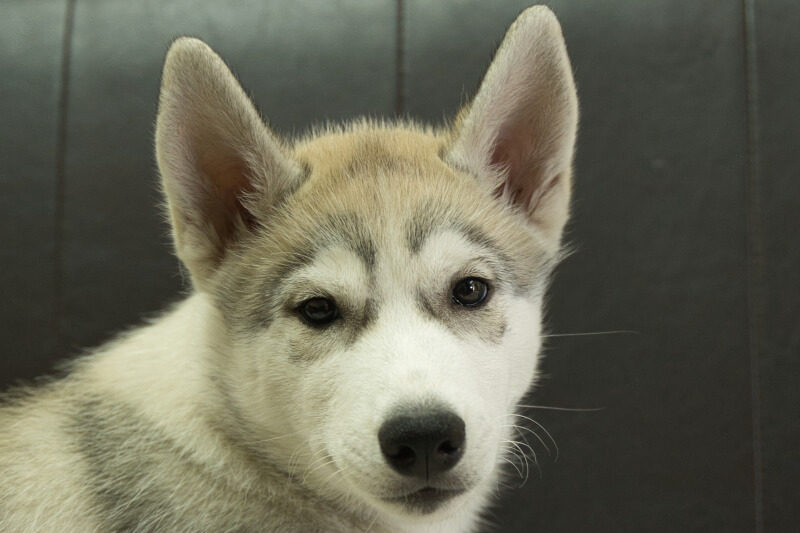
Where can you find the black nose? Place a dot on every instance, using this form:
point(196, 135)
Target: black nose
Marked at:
point(422, 443)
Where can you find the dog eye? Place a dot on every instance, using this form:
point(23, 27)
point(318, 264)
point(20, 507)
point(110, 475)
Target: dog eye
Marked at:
point(319, 312)
point(470, 292)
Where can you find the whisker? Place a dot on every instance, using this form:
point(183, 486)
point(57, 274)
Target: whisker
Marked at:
point(524, 456)
point(265, 440)
point(372, 523)
point(623, 331)
point(331, 476)
point(573, 409)
point(294, 460)
point(309, 472)
point(315, 458)
point(532, 432)
point(322, 457)
point(524, 459)
point(545, 430)
point(498, 485)
point(509, 461)
point(533, 452)
point(525, 441)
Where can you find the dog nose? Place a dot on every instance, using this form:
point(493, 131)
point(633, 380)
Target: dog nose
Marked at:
point(422, 444)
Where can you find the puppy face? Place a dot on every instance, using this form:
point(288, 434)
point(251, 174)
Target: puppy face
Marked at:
point(376, 294)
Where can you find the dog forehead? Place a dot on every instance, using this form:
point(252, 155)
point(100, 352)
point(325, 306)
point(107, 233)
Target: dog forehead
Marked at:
point(382, 192)
point(370, 148)
point(386, 176)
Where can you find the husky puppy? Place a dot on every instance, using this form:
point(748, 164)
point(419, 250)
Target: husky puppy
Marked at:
point(365, 318)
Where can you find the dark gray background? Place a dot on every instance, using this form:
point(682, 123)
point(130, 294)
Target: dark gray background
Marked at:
point(686, 217)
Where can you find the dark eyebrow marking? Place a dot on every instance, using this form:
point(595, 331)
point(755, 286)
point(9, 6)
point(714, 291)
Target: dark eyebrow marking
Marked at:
point(247, 310)
point(420, 226)
point(429, 218)
point(350, 231)
point(347, 230)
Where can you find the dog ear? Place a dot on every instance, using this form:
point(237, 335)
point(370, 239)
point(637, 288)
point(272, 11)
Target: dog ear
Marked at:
point(519, 132)
point(219, 163)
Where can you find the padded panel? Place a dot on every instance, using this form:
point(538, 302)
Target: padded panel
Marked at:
point(660, 239)
point(778, 69)
point(660, 220)
point(31, 34)
point(302, 61)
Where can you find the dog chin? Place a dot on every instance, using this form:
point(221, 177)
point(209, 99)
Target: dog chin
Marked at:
point(425, 501)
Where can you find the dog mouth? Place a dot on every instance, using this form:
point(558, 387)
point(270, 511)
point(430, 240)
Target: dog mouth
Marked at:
point(425, 500)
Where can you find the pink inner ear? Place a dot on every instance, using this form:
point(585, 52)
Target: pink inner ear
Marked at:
point(520, 181)
point(226, 210)
point(226, 173)
point(525, 182)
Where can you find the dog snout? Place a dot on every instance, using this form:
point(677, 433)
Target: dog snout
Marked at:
point(422, 444)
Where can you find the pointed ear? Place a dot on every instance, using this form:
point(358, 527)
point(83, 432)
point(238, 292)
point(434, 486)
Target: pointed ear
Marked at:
point(519, 132)
point(220, 165)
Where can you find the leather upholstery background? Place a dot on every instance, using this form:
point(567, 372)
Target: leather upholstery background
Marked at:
point(686, 217)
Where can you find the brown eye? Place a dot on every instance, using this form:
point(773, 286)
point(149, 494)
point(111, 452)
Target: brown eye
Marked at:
point(319, 312)
point(470, 292)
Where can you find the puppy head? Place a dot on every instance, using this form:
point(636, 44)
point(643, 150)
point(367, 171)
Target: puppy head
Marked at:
point(381, 285)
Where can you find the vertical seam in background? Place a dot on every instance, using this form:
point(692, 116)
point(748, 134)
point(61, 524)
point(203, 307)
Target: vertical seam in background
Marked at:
point(754, 253)
point(400, 53)
point(60, 177)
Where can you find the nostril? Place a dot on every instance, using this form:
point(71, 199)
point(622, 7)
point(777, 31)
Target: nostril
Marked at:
point(404, 457)
point(447, 448)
